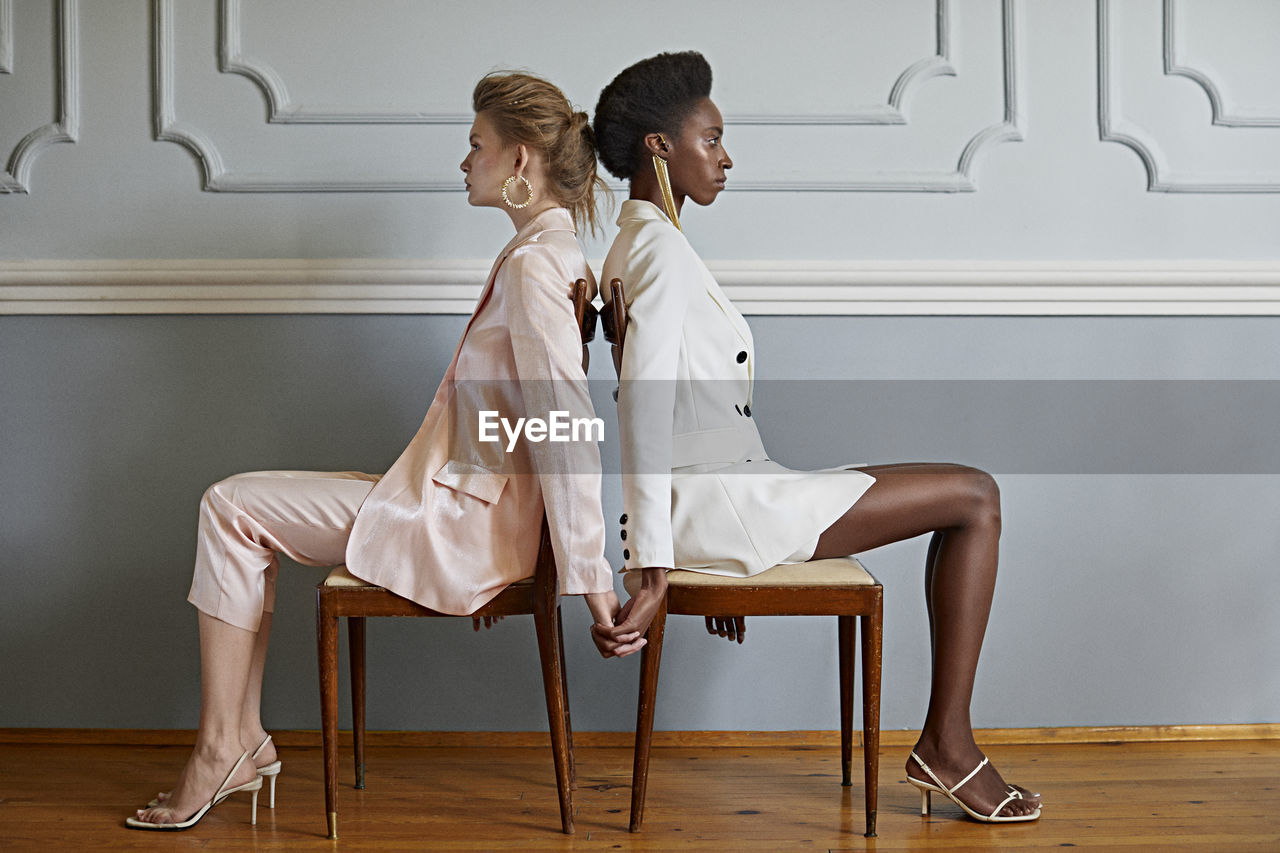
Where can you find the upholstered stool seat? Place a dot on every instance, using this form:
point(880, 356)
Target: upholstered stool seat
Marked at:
point(341, 577)
point(837, 571)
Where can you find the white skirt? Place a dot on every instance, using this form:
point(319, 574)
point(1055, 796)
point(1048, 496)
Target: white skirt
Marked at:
point(745, 517)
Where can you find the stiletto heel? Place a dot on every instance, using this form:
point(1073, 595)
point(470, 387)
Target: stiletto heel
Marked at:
point(221, 794)
point(926, 790)
point(271, 789)
point(269, 772)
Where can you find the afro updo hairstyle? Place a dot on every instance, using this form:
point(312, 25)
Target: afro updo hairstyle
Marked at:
point(654, 95)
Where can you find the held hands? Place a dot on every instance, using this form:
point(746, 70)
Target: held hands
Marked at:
point(604, 612)
point(625, 635)
point(604, 609)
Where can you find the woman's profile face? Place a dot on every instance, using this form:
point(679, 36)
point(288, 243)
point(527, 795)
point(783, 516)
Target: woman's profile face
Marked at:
point(489, 163)
point(698, 161)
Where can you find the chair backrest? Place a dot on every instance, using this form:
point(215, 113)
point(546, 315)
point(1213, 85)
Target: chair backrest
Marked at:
point(614, 319)
point(585, 313)
point(544, 573)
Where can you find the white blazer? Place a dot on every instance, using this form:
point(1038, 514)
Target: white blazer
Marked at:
point(699, 491)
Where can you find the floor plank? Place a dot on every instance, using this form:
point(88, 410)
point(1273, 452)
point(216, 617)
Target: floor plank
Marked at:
point(1207, 796)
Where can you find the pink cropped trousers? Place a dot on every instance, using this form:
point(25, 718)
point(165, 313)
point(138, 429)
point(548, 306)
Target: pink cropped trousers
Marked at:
point(247, 520)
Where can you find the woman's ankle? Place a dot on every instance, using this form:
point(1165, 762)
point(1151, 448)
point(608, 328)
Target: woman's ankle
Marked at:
point(954, 750)
point(216, 749)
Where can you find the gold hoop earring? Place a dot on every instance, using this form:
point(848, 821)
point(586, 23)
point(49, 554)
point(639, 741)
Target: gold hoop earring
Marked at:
point(664, 184)
point(506, 185)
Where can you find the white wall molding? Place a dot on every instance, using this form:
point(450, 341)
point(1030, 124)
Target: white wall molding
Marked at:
point(848, 288)
point(1225, 111)
point(216, 176)
point(938, 65)
point(281, 108)
point(961, 179)
point(6, 36)
point(893, 111)
point(66, 125)
point(1113, 127)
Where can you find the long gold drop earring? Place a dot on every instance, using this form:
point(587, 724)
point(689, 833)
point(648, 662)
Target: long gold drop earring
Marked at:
point(664, 184)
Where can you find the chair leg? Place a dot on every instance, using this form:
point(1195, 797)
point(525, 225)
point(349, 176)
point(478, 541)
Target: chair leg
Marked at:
point(355, 640)
point(546, 624)
point(327, 641)
point(872, 642)
point(568, 720)
point(650, 661)
point(847, 638)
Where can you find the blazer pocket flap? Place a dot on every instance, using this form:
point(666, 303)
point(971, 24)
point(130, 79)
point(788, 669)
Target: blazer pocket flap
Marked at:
point(708, 445)
point(471, 479)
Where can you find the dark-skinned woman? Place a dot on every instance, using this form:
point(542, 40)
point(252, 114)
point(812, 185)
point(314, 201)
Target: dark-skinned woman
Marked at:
point(699, 490)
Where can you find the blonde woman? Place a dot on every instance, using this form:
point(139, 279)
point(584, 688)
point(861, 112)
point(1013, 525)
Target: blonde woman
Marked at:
point(454, 521)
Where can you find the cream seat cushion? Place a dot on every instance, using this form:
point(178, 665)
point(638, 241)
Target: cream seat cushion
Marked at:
point(837, 571)
point(341, 577)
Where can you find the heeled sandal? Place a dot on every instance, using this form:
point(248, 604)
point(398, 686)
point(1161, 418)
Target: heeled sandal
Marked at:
point(268, 771)
point(221, 794)
point(926, 791)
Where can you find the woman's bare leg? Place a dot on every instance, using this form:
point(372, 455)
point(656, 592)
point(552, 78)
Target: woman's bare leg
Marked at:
point(226, 657)
point(252, 734)
point(961, 507)
point(244, 521)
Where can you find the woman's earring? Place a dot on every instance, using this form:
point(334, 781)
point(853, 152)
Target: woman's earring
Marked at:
point(506, 185)
point(664, 184)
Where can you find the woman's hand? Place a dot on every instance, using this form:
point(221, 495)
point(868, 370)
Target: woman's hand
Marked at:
point(730, 627)
point(604, 609)
point(632, 621)
point(625, 645)
point(489, 621)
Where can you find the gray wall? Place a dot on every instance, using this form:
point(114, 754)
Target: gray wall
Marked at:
point(139, 361)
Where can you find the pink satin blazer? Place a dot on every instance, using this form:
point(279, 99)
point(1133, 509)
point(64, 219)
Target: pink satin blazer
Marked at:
point(456, 520)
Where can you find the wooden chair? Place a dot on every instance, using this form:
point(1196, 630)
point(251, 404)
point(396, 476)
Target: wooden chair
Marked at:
point(342, 595)
point(837, 587)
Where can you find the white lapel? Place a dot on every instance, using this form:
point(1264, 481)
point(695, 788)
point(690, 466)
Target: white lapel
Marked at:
point(722, 302)
point(641, 209)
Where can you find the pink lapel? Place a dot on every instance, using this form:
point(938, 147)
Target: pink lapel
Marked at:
point(555, 219)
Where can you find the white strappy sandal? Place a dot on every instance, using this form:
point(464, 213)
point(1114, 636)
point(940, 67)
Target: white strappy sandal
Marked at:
point(269, 771)
point(926, 790)
point(221, 794)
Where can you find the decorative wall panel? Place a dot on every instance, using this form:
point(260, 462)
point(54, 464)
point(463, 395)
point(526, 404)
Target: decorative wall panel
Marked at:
point(387, 87)
point(65, 126)
point(1144, 103)
point(6, 36)
point(859, 129)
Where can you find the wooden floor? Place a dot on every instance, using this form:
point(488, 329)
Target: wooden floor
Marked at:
point(1211, 796)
